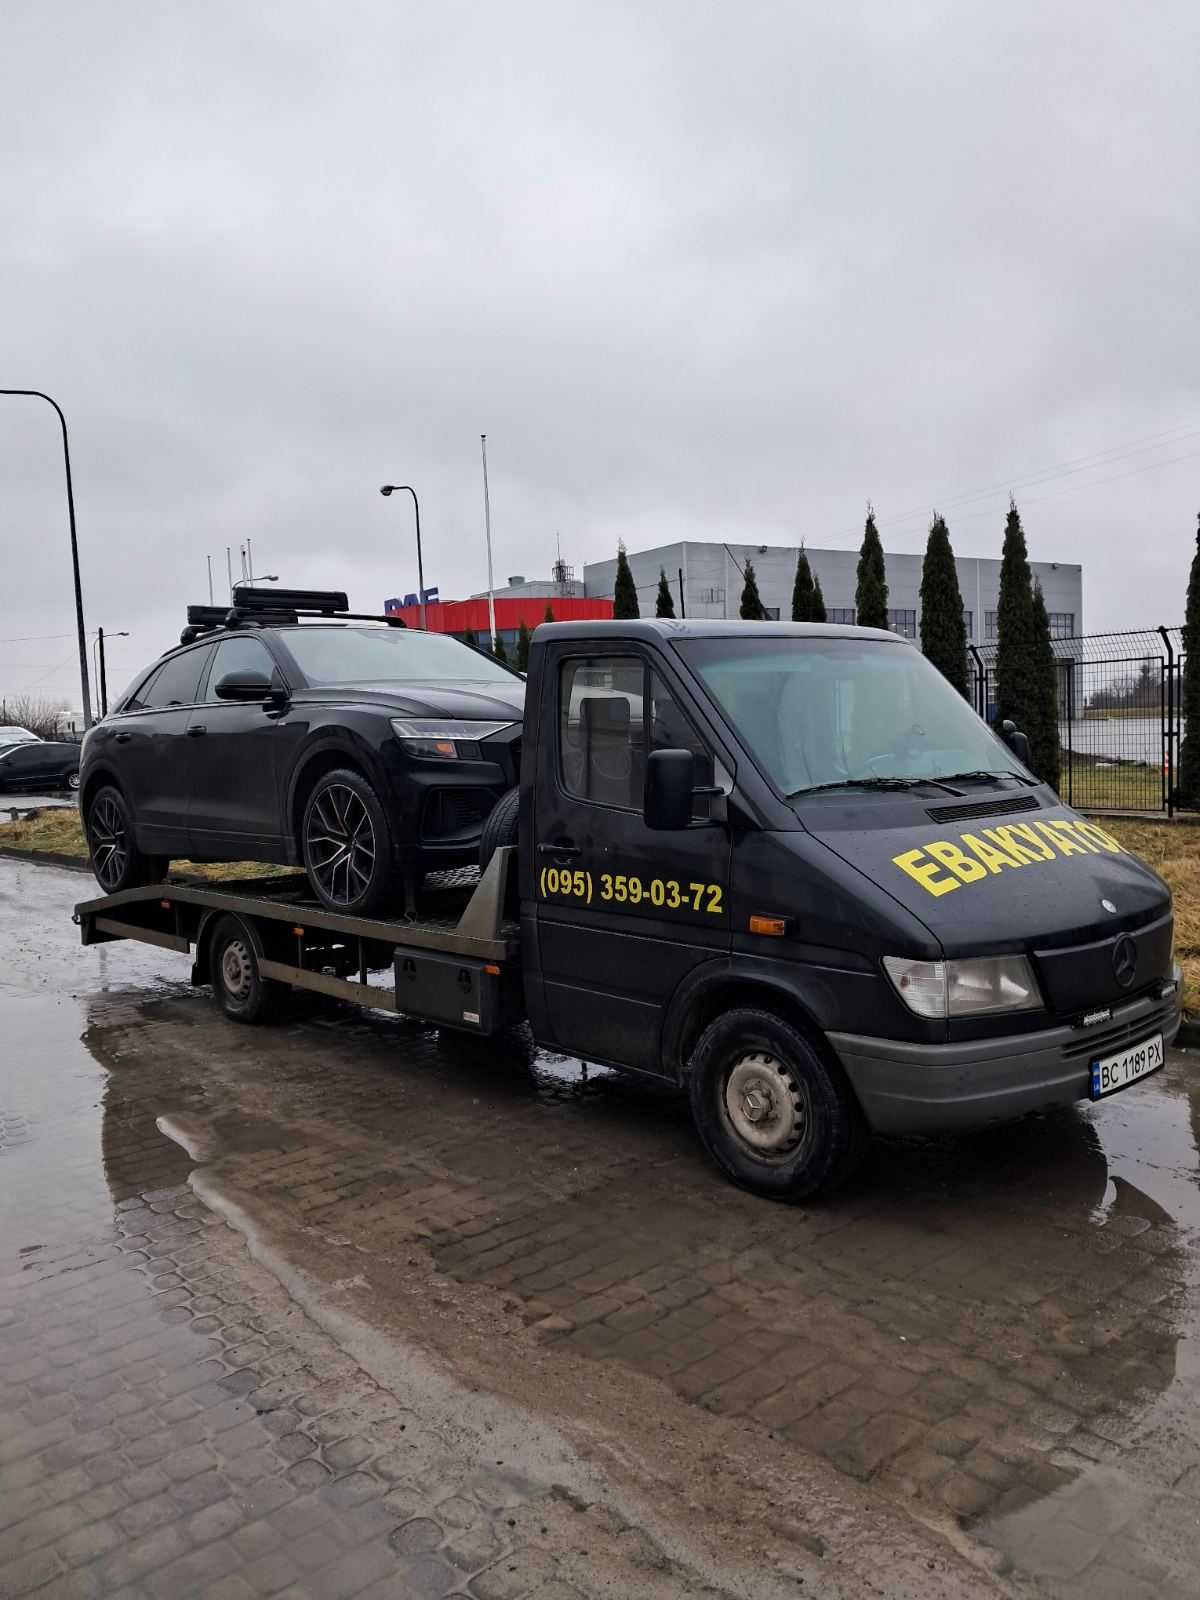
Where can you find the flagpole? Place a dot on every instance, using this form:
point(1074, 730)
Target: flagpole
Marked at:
point(487, 524)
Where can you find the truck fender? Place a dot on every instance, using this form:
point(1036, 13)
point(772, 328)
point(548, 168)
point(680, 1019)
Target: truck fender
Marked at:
point(201, 968)
point(797, 992)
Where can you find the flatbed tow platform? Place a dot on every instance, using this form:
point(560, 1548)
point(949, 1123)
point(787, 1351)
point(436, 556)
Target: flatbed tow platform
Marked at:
point(453, 959)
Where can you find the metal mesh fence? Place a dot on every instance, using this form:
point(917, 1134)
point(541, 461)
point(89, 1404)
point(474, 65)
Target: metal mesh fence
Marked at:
point(1119, 719)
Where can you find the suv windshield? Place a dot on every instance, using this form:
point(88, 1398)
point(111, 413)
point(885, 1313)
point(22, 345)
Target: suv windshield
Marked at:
point(817, 712)
point(388, 655)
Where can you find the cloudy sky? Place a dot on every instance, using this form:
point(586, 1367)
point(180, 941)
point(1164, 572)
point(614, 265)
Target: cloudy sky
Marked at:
point(714, 270)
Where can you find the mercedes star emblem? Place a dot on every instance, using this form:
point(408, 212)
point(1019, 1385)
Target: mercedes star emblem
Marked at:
point(1124, 960)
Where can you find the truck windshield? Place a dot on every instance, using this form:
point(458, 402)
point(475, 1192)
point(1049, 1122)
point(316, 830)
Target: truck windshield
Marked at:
point(821, 712)
point(388, 655)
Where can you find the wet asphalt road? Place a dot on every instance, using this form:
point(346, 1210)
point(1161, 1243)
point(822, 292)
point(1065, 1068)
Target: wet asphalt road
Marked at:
point(993, 1334)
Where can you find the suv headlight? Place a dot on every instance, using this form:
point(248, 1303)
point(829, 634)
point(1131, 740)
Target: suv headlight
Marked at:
point(442, 739)
point(964, 988)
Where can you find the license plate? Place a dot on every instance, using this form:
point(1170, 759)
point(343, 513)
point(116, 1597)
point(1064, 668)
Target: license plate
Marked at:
point(1111, 1073)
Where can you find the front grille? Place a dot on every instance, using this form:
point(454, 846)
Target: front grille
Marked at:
point(984, 808)
point(1094, 1042)
point(449, 812)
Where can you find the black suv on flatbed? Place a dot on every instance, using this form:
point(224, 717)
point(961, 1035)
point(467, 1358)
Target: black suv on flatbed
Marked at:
point(367, 752)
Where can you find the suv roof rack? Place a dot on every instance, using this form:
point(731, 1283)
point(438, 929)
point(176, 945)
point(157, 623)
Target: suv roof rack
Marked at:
point(257, 608)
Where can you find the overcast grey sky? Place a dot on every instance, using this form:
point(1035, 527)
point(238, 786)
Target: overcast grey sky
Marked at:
point(722, 271)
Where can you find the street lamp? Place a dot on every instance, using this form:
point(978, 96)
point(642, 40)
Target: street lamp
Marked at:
point(401, 488)
point(101, 670)
point(36, 394)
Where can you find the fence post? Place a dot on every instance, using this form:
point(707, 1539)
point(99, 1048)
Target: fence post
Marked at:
point(1169, 739)
point(980, 683)
point(1070, 682)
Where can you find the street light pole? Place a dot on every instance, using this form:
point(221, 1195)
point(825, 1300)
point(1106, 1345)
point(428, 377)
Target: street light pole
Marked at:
point(487, 528)
point(37, 394)
point(401, 488)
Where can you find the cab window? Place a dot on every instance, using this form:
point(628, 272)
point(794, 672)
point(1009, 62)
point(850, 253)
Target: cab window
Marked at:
point(239, 655)
point(613, 710)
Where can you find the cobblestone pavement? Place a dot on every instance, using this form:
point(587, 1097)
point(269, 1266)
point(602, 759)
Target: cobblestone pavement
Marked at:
point(992, 1333)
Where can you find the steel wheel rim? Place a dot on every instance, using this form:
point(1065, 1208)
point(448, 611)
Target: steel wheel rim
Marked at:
point(109, 838)
point(237, 970)
point(339, 844)
point(73, 780)
point(768, 1107)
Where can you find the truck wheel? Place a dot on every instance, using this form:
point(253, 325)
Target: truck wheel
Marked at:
point(500, 827)
point(768, 1109)
point(242, 993)
point(346, 844)
point(116, 860)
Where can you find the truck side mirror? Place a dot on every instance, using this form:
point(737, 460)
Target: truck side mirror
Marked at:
point(1016, 741)
point(670, 779)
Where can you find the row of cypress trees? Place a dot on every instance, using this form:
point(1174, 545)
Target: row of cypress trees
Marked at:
point(1025, 668)
point(524, 635)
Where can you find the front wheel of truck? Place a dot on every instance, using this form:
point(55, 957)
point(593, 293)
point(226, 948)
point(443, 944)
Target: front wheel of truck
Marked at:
point(774, 1115)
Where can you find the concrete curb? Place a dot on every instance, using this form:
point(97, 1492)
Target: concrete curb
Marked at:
point(56, 858)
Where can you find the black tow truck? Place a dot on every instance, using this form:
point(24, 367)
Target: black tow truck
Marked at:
point(784, 866)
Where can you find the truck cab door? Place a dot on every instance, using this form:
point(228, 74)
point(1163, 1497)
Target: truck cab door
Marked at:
point(622, 913)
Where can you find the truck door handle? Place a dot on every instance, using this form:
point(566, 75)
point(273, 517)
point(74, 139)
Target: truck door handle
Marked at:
point(562, 848)
point(124, 738)
point(196, 730)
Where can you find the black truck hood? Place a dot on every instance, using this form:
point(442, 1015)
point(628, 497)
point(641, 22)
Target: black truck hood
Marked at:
point(1046, 881)
point(491, 702)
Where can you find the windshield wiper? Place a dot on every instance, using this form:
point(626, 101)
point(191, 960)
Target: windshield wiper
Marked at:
point(980, 776)
point(871, 783)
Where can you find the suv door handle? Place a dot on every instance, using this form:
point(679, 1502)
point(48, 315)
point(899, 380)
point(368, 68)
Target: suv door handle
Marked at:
point(563, 848)
point(196, 730)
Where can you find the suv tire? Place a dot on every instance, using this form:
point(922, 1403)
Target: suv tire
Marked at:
point(346, 845)
point(500, 827)
point(774, 1115)
point(116, 861)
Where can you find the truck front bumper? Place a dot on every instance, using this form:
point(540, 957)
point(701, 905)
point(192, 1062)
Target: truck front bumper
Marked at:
point(922, 1088)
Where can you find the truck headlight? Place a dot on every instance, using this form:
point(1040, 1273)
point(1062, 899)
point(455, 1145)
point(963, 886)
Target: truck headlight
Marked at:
point(969, 988)
point(444, 739)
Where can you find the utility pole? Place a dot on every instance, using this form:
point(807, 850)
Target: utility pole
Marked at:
point(487, 524)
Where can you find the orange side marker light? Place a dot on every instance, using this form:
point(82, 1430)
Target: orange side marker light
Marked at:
point(772, 927)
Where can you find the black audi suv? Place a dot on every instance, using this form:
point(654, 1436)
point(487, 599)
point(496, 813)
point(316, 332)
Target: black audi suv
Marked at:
point(289, 730)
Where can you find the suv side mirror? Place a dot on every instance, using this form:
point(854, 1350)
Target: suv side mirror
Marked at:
point(245, 684)
point(670, 780)
point(1016, 741)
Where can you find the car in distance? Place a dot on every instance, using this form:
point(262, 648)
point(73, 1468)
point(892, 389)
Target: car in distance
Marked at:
point(10, 733)
point(367, 752)
point(34, 766)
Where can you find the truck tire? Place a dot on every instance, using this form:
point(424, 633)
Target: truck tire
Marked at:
point(500, 827)
point(346, 845)
point(116, 861)
point(775, 1117)
point(241, 991)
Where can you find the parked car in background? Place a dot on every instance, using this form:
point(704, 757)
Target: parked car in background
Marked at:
point(38, 766)
point(369, 753)
point(11, 734)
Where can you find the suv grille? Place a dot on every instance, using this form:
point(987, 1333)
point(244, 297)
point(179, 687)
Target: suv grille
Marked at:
point(984, 808)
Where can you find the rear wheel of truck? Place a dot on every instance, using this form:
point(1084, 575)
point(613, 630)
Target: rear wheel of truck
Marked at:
point(775, 1116)
point(242, 992)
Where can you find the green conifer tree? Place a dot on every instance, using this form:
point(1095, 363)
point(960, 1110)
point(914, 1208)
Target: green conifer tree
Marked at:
point(625, 600)
point(1043, 734)
point(470, 638)
point(943, 627)
point(523, 646)
point(1187, 779)
point(1016, 651)
point(664, 602)
point(871, 592)
point(549, 617)
point(818, 602)
point(751, 608)
point(498, 650)
point(803, 590)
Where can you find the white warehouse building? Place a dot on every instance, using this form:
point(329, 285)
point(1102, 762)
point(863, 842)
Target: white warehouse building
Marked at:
point(711, 578)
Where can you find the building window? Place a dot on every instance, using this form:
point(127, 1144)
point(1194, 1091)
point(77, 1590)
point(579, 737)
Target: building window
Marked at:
point(904, 622)
point(712, 597)
point(841, 614)
point(989, 623)
point(969, 620)
point(770, 613)
point(1062, 624)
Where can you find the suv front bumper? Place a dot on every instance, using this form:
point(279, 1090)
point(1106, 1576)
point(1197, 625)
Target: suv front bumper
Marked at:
point(923, 1088)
